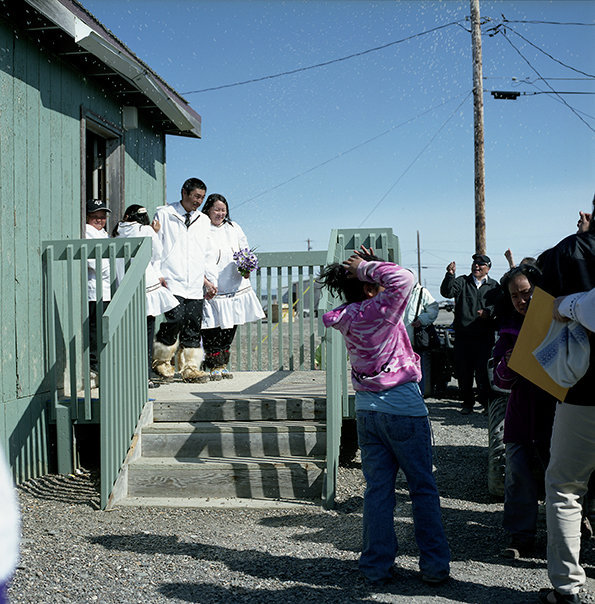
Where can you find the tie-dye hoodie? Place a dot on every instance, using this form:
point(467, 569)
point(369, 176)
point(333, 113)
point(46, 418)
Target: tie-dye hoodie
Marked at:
point(375, 336)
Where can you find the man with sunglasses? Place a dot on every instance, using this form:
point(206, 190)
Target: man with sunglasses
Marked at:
point(476, 298)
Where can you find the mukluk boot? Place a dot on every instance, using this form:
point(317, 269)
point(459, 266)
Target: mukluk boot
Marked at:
point(189, 361)
point(221, 367)
point(223, 372)
point(162, 357)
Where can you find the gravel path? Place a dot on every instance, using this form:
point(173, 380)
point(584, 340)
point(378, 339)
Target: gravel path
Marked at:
point(73, 552)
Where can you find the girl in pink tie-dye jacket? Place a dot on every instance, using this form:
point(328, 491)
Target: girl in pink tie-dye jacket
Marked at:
point(372, 324)
point(392, 425)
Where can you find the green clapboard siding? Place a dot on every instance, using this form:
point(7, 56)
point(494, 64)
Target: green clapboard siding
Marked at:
point(41, 98)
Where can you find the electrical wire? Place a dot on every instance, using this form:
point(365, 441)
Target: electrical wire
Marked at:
point(523, 93)
point(415, 159)
point(505, 20)
point(325, 63)
point(547, 84)
point(528, 81)
point(547, 54)
point(559, 101)
point(342, 153)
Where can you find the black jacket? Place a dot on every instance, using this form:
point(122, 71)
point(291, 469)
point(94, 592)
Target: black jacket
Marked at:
point(468, 300)
point(569, 267)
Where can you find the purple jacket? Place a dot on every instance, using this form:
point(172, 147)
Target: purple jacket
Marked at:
point(376, 339)
point(530, 410)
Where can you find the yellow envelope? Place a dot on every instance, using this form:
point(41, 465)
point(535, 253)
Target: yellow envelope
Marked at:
point(535, 327)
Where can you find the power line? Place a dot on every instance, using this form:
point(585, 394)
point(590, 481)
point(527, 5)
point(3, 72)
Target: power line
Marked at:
point(545, 92)
point(559, 101)
point(415, 159)
point(528, 81)
point(342, 153)
point(325, 63)
point(546, 83)
point(505, 20)
point(547, 54)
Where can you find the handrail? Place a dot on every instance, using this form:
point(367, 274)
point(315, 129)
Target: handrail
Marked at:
point(283, 340)
point(122, 344)
point(342, 242)
point(123, 363)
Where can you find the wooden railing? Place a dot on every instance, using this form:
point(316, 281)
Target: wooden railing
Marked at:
point(290, 334)
point(288, 338)
point(339, 404)
point(122, 346)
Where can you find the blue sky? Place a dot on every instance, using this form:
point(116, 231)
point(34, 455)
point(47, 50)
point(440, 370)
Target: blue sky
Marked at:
point(313, 128)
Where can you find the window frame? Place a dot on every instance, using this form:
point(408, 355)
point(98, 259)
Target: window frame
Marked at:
point(114, 164)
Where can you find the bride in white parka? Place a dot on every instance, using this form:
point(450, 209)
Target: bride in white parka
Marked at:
point(230, 300)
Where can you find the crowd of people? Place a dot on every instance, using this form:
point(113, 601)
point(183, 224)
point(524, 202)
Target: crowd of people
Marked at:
point(550, 445)
point(192, 280)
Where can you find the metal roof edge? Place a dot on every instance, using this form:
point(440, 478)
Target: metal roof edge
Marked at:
point(108, 49)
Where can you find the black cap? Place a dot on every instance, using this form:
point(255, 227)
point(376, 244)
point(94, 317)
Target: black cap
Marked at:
point(482, 259)
point(94, 205)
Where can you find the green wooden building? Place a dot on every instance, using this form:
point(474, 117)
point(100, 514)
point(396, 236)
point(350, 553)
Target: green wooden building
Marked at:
point(80, 116)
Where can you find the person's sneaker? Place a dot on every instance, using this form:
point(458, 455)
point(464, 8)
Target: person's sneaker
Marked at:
point(435, 579)
point(93, 379)
point(518, 549)
point(215, 375)
point(380, 581)
point(225, 374)
point(586, 529)
point(551, 596)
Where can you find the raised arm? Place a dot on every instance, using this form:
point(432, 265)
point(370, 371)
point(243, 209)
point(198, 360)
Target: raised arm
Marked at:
point(449, 287)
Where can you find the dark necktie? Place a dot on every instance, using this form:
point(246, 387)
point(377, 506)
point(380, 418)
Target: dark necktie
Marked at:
point(187, 221)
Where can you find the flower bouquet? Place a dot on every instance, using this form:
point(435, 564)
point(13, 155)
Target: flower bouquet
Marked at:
point(246, 261)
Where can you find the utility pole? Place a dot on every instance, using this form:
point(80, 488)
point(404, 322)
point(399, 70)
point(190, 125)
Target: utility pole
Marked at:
point(480, 220)
point(418, 260)
point(309, 241)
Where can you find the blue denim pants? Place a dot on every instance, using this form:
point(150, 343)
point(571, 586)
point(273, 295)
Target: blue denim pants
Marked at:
point(389, 442)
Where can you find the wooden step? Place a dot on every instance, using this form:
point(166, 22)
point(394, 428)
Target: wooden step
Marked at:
point(238, 408)
point(228, 439)
point(246, 477)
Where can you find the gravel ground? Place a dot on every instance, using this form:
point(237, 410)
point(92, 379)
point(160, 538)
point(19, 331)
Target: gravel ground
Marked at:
point(73, 552)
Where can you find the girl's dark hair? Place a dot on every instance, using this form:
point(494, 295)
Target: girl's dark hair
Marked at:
point(505, 308)
point(530, 271)
point(211, 199)
point(134, 213)
point(341, 283)
point(335, 278)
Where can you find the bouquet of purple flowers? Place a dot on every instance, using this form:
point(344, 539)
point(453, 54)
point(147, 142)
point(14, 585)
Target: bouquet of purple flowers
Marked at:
point(246, 261)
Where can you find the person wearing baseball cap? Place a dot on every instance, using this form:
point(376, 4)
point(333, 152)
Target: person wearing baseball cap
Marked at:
point(476, 298)
point(97, 212)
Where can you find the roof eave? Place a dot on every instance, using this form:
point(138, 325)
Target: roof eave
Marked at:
point(185, 119)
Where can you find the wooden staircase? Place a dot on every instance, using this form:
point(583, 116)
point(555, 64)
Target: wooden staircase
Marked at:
point(223, 445)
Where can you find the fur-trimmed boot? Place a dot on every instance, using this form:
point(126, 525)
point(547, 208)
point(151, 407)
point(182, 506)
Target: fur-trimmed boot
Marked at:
point(189, 361)
point(162, 356)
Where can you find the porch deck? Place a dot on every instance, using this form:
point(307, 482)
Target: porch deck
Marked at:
point(264, 383)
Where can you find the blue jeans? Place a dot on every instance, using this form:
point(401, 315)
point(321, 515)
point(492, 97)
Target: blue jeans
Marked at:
point(389, 442)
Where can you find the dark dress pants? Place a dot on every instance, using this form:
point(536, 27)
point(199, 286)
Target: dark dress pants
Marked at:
point(93, 352)
point(472, 353)
point(184, 321)
point(217, 342)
